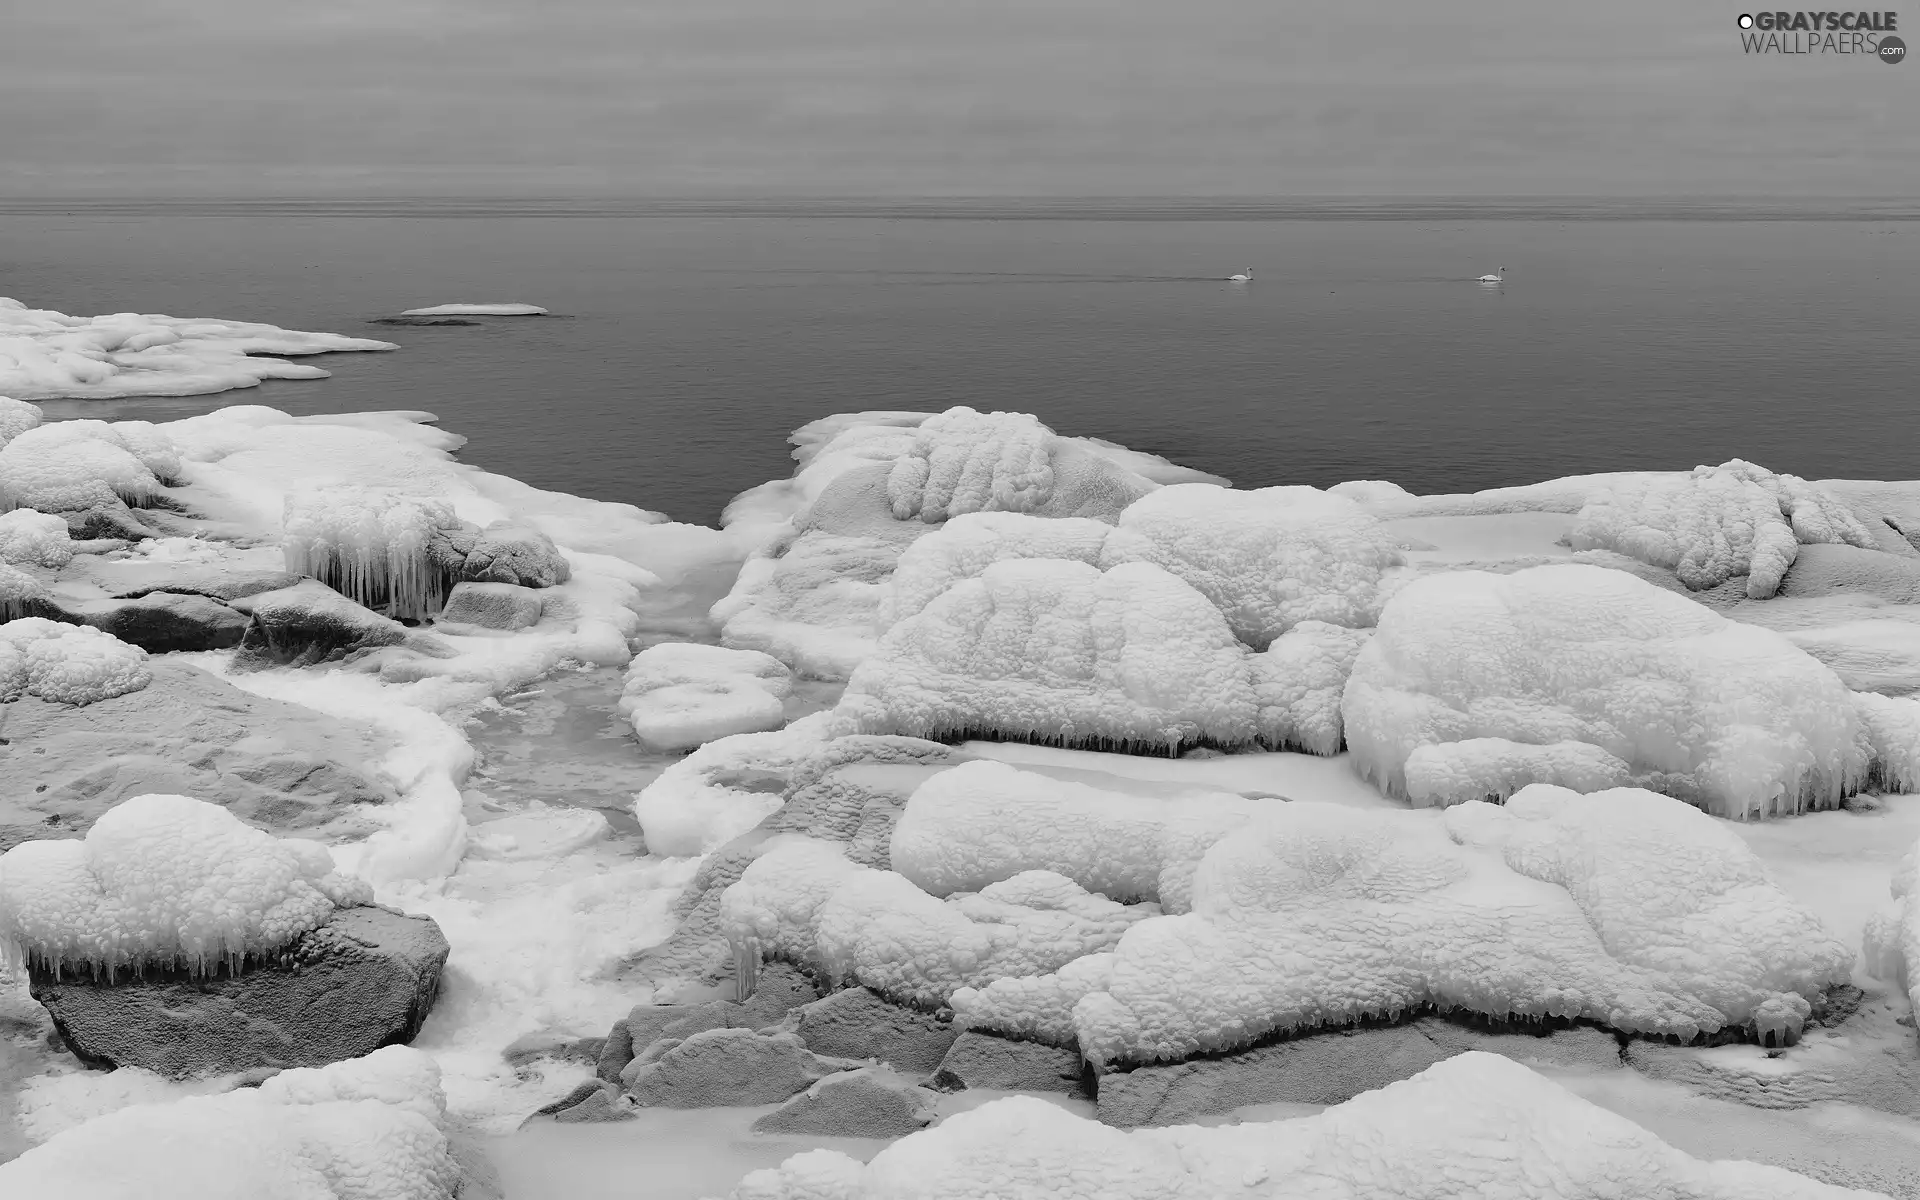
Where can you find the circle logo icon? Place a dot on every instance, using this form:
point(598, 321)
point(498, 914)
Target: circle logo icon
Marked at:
point(1746, 20)
point(1892, 50)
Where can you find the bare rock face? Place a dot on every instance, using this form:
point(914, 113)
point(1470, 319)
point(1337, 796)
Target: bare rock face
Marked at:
point(1327, 1068)
point(983, 1060)
point(277, 765)
point(856, 1023)
point(782, 989)
point(310, 623)
point(868, 1103)
point(365, 979)
point(728, 1068)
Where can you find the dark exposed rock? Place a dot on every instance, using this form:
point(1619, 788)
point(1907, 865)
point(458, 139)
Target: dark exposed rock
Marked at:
point(311, 623)
point(856, 1023)
point(593, 1102)
point(421, 321)
point(650, 1029)
point(163, 622)
point(505, 606)
point(982, 1060)
point(366, 978)
point(728, 1068)
point(1330, 1067)
point(868, 1103)
point(503, 552)
point(555, 1046)
point(270, 763)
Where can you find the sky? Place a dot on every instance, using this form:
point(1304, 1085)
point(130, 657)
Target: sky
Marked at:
point(917, 97)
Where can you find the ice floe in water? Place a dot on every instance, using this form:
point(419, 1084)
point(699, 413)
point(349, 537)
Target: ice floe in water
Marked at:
point(47, 355)
point(477, 310)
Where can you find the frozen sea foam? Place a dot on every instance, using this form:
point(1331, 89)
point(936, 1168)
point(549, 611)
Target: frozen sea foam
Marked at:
point(47, 355)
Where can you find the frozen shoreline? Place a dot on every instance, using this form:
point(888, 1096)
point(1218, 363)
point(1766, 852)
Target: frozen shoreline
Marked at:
point(814, 558)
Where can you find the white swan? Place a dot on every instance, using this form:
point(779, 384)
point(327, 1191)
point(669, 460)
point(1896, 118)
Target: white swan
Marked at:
point(1493, 278)
point(1246, 278)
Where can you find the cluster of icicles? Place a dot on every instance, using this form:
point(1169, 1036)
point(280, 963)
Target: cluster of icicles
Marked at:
point(371, 545)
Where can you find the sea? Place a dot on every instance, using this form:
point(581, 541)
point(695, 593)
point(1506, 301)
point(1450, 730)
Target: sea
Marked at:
point(688, 337)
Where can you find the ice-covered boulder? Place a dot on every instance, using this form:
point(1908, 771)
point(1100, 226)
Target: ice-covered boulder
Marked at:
point(311, 623)
point(497, 607)
point(147, 442)
point(369, 1129)
point(724, 788)
point(16, 417)
point(983, 822)
point(1717, 523)
point(166, 883)
point(21, 595)
point(1474, 1125)
point(1298, 682)
point(372, 545)
point(46, 355)
point(72, 475)
point(805, 902)
point(965, 461)
point(1269, 559)
point(1623, 907)
point(67, 664)
point(502, 552)
point(36, 539)
point(680, 695)
point(1058, 651)
point(1475, 684)
point(810, 602)
point(969, 544)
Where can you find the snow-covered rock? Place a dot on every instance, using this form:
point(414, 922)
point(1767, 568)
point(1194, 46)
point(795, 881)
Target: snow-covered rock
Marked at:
point(967, 545)
point(1054, 650)
point(680, 694)
point(16, 417)
point(36, 539)
point(724, 788)
point(67, 664)
point(1474, 1125)
point(46, 355)
point(368, 1129)
point(1717, 523)
point(1475, 684)
point(1624, 907)
point(1269, 559)
point(169, 882)
point(1299, 681)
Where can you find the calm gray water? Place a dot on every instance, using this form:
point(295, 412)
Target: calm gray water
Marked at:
point(695, 337)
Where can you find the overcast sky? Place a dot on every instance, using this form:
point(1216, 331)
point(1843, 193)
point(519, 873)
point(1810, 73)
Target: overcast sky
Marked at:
point(961, 97)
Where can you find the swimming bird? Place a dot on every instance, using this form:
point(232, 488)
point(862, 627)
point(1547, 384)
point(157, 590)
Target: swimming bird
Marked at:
point(1493, 278)
point(1246, 278)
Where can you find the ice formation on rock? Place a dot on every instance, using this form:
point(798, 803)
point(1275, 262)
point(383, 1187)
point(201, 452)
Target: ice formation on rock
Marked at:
point(964, 461)
point(983, 822)
point(59, 663)
point(803, 901)
point(477, 310)
point(370, 544)
point(969, 544)
point(1717, 523)
point(1477, 683)
point(1054, 650)
point(680, 695)
point(1268, 559)
point(35, 539)
point(1474, 1125)
point(144, 440)
point(166, 882)
point(21, 595)
point(369, 1128)
point(69, 474)
point(1298, 682)
point(812, 604)
point(16, 417)
point(1624, 907)
point(46, 355)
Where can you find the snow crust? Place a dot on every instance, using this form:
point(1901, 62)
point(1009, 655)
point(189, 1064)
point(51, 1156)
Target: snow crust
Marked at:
point(1475, 683)
point(1268, 558)
point(370, 544)
point(1717, 523)
point(680, 695)
point(166, 882)
point(34, 539)
point(72, 473)
point(65, 664)
point(477, 310)
point(16, 417)
point(1624, 907)
point(369, 1128)
point(1474, 1125)
point(46, 355)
